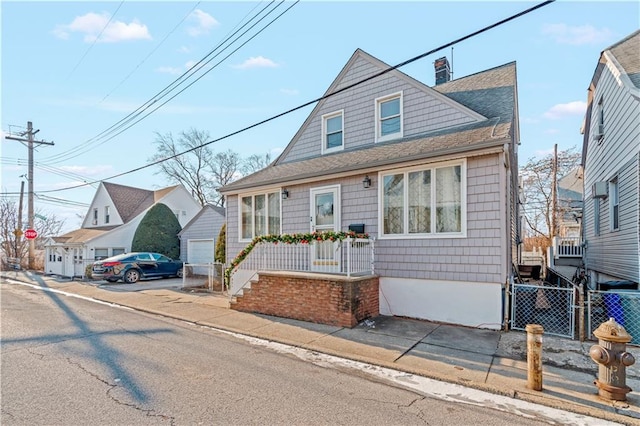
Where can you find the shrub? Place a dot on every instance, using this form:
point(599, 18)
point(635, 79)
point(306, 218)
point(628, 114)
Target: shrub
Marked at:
point(221, 245)
point(158, 232)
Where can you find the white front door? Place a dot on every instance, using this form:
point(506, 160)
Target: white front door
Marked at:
point(325, 216)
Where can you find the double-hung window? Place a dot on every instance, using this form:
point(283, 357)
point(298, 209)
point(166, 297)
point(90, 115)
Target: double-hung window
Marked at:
point(106, 214)
point(424, 201)
point(259, 215)
point(95, 217)
point(614, 210)
point(332, 132)
point(596, 216)
point(600, 122)
point(389, 117)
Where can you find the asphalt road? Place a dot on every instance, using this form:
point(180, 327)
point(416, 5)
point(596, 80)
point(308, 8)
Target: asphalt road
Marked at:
point(67, 361)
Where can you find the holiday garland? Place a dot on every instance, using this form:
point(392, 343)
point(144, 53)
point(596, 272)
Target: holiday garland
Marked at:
point(289, 239)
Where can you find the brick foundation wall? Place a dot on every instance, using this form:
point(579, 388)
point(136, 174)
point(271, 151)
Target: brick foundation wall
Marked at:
point(324, 299)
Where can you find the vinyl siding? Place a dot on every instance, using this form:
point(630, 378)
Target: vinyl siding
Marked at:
point(423, 111)
point(206, 226)
point(477, 258)
point(614, 252)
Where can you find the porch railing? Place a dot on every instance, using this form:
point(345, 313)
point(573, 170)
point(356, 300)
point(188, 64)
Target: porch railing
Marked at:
point(351, 256)
point(567, 247)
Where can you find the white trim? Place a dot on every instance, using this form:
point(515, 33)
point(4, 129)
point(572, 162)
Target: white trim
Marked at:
point(331, 264)
point(425, 166)
point(252, 194)
point(326, 117)
point(398, 95)
point(614, 200)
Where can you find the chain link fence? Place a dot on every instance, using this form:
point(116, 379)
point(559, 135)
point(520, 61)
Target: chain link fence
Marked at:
point(551, 303)
point(208, 277)
point(621, 305)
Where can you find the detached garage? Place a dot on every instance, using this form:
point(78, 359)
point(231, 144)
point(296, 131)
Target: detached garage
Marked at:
point(197, 238)
point(201, 251)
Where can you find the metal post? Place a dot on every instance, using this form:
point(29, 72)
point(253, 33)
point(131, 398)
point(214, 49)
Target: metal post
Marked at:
point(534, 356)
point(348, 256)
point(32, 243)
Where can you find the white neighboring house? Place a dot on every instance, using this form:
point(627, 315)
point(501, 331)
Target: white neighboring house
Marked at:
point(611, 162)
point(110, 224)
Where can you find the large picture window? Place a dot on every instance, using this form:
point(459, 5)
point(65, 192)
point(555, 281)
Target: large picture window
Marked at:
point(424, 201)
point(259, 215)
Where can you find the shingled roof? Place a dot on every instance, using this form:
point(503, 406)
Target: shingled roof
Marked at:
point(491, 93)
point(79, 236)
point(627, 53)
point(130, 201)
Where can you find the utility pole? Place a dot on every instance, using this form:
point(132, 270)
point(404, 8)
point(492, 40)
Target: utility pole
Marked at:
point(30, 141)
point(554, 194)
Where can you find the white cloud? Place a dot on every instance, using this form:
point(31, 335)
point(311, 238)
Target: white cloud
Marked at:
point(559, 111)
point(577, 35)
point(203, 22)
point(290, 92)
point(92, 24)
point(169, 70)
point(256, 62)
point(184, 49)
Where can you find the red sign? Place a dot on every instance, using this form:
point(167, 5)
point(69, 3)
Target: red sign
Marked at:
point(30, 234)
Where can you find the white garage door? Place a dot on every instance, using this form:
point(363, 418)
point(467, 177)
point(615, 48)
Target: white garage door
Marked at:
point(200, 251)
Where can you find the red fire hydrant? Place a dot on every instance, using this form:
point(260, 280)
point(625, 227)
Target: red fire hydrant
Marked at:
point(612, 359)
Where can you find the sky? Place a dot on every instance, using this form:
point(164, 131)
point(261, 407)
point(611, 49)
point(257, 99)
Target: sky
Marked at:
point(78, 70)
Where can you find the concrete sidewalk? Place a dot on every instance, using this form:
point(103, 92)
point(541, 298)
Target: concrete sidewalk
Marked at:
point(483, 359)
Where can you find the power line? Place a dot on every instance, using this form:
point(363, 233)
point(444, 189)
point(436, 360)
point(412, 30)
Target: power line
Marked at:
point(95, 40)
point(96, 140)
point(150, 53)
point(348, 87)
point(197, 79)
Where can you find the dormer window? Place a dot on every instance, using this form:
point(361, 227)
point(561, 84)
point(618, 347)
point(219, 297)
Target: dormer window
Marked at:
point(332, 132)
point(389, 117)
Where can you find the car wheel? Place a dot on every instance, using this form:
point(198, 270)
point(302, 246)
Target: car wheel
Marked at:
point(179, 273)
point(131, 276)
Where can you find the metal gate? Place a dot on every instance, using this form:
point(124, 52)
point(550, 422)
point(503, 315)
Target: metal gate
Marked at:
point(554, 308)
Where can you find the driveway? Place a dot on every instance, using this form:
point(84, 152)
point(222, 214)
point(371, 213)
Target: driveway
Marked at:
point(147, 284)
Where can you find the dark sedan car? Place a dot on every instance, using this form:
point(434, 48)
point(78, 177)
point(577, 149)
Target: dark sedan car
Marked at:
point(130, 267)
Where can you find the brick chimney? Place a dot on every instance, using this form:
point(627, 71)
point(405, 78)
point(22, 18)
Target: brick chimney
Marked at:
point(443, 74)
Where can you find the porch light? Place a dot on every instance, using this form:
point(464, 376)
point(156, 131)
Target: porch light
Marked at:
point(366, 183)
point(285, 194)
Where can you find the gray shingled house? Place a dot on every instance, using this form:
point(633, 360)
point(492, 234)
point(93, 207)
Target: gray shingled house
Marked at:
point(429, 173)
point(198, 237)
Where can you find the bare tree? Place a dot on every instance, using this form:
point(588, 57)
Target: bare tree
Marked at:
point(14, 246)
point(255, 162)
point(193, 169)
point(537, 180)
point(225, 169)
